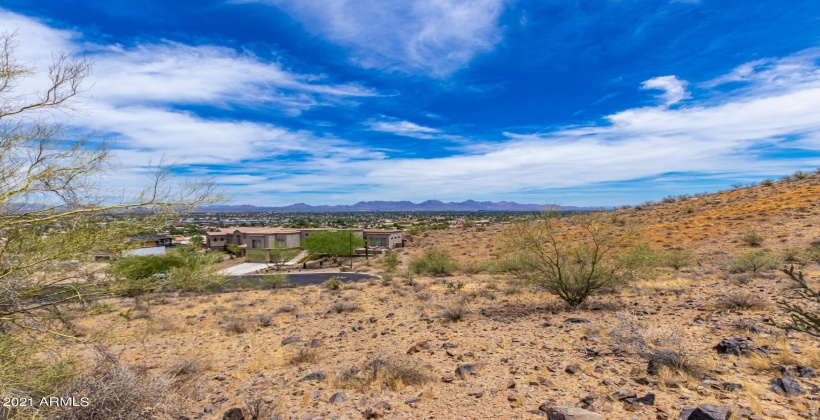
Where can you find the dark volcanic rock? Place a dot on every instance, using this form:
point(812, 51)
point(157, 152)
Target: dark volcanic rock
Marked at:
point(464, 370)
point(706, 412)
point(787, 386)
point(315, 376)
point(738, 346)
point(566, 413)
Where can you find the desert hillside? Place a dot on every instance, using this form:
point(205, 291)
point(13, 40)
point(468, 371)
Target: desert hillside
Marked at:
point(480, 344)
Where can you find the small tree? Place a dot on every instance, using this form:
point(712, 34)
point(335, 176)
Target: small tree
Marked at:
point(803, 306)
point(197, 241)
point(437, 262)
point(753, 261)
point(334, 244)
point(570, 262)
point(279, 255)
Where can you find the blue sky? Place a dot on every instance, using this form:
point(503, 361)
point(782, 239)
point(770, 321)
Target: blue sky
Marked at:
point(335, 101)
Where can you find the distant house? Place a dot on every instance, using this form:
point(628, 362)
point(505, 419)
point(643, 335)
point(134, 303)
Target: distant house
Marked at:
point(388, 239)
point(267, 238)
point(151, 241)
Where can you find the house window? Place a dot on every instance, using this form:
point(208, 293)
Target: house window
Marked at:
point(256, 243)
point(280, 243)
point(378, 241)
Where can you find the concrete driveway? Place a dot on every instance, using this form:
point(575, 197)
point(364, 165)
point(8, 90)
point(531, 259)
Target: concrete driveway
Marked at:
point(243, 268)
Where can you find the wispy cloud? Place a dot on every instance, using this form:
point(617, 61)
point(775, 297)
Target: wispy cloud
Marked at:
point(674, 89)
point(434, 37)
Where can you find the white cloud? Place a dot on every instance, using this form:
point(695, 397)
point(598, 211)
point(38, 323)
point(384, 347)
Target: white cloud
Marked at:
point(435, 37)
point(405, 128)
point(674, 88)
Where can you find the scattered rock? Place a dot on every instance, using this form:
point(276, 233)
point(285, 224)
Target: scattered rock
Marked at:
point(572, 369)
point(290, 340)
point(569, 413)
point(786, 386)
point(706, 412)
point(477, 394)
point(315, 376)
point(220, 378)
point(738, 346)
point(377, 410)
point(511, 384)
point(412, 401)
point(464, 370)
point(648, 399)
point(447, 379)
point(576, 321)
point(338, 398)
point(315, 343)
point(806, 372)
point(419, 346)
point(235, 413)
point(623, 393)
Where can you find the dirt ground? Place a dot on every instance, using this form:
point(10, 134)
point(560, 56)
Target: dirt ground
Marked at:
point(526, 348)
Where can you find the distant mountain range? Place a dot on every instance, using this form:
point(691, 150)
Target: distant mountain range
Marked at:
point(429, 205)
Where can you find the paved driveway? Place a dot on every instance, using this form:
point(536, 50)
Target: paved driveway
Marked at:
point(243, 268)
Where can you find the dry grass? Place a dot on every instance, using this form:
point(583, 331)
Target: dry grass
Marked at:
point(739, 300)
point(120, 392)
point(304, 355)
point(393, 373)
point(236, 326)
point(454, 312)
point(343, 307)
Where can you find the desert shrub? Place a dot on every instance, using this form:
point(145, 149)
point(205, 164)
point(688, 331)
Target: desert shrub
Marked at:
point(455, 286)
point(677, 259)
point(343, 307)
point(739, 300)
point(119, 392)
point(286, 309)
point(390, 261)
point(640, 260)
point(752, 238)
point(753, 261)
point(768, 182)
point(423, 296)
point(477, 267)
point(801, 175)
point(265, 320)
point(304, 355)
point(571, 265)
point(256, 255)
point(435, 262)
point(394, 373)
point(334, 283)
point(272, 281)
point(454, 312)
point(185, 369)
point(387, 277)
point(632, 334)
point(482, 293)
point(236, 326)
point(673, 361)
point(802, 304)
point(407, 276)
point(796, 255)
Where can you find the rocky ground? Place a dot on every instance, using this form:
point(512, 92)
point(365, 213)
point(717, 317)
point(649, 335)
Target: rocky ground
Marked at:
point(494, 348)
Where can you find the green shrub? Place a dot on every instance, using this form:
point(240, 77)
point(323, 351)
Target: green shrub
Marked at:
point(390, 261)
point(678, 258)
point(768, 182)
point(640, 260)
point(753, 261)
point(436, 262)
point(752, 238)
point(334, 283)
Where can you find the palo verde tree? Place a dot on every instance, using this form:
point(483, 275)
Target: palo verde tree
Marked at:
point(54, 210)
point(334, 244)
point(570, 257)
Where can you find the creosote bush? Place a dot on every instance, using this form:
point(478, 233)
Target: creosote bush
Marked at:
point(334, 283)
point(752, 238)
point(753, 261)
point(390, 261)
point(436, 262)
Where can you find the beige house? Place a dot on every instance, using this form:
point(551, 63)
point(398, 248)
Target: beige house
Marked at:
point(267, 238)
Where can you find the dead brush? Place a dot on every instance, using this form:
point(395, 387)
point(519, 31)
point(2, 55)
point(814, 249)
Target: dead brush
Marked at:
point(393, 373)
point(186, 369)
point(738, 301)
point(236, 326)
point(343, 307)
point(304, 355)
point(454, 312)
point(632, 335)
point(674, 362)
point(120, 392)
